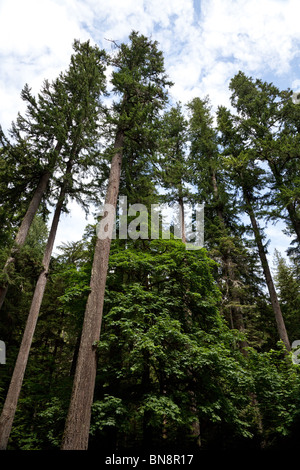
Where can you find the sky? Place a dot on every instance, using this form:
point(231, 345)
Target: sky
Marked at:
point(204, 42)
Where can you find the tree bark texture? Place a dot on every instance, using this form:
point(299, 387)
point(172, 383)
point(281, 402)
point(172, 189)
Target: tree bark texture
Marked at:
point(77, 427)
point(25, 226)
point(268, 277)
point(10, 405)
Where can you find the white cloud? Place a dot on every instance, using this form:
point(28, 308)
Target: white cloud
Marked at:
point(296, 85)
point(203, 49)
point(202, 52)
point(36, 39)
point(72, 225)
point(255, 33)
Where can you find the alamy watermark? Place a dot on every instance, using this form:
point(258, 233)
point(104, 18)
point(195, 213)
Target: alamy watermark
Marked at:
point(296, 354)
point(136, 221)
point(2, 352)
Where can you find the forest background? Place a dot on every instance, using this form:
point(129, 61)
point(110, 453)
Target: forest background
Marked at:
point(195, 347)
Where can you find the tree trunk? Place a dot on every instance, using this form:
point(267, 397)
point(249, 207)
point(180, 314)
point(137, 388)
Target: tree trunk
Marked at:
point(236, 312)
point(28, 218)
point(216, 197)
point(25, 226)
point(77, 427)
point(294, 219)
point(195, 426)
point(182, 219)
point(10, 405)
point(268, 277)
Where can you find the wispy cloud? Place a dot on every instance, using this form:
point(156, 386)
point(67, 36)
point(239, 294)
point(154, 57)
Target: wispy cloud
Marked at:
point(204, 45)
point(204, 42)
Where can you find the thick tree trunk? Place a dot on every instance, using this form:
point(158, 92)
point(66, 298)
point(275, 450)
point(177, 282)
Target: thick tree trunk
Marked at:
point(10, 405)
point(268, 277)
point(77, 427)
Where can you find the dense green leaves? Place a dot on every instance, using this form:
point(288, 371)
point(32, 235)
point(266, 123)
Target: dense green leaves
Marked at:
point(188, 342)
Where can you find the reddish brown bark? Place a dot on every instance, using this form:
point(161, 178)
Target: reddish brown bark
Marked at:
point(25, 226)
point(10, 405)
point(77, 427)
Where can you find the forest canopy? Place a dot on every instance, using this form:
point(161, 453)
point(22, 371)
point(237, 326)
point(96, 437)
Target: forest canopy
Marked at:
point(137, 342)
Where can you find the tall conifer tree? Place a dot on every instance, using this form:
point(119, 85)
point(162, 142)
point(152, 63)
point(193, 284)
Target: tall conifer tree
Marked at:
point(139, 77)
point(45, 135)
point(223, 231)
point(269, 122)
point(250, 178)
point(85, 79)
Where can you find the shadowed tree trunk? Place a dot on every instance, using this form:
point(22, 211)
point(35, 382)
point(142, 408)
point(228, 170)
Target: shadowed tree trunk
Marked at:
point(235, 309)
point(10, 405)
point(140, 80)
point(77, 427)
point(267, 273)
point(25, 226)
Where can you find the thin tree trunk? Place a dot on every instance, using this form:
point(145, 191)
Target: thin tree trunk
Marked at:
point(28, 219)
point(294, 218)
point(236, 311)
point(25, 226)
point(76, 434)
point(182, 219)
point(216, 196)
point(237, 315)
point(268, 277)
point(195, 426)
point(10, 405)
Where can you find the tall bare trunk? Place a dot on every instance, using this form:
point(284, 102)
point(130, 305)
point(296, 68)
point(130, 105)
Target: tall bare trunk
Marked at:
point(10, 405)
point(195, 425)
point(77, 427)
point(182, 219)
point(237, 319)
point(268, 277)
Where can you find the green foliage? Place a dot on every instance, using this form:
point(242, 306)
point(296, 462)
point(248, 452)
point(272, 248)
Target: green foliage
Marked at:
point(276, 382)
point(267, 126)
point(163, 338)
point(287, 281)
point(109, 412)
point(187, 336)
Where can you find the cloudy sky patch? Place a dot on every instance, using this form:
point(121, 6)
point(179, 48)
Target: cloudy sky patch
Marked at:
point(205, 42)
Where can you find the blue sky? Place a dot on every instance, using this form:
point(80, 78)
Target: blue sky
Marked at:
point(205, 42)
